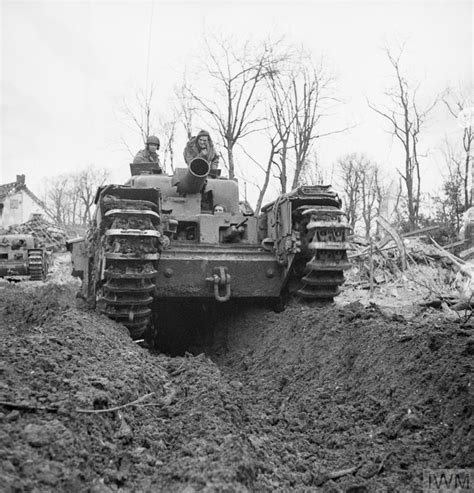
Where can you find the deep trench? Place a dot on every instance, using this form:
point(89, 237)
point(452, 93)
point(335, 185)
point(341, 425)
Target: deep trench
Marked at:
point(194, 326)
point(328, 387)
point(310, 391)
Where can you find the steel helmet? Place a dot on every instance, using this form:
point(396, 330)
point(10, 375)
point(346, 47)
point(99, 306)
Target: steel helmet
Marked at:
point(152, 139)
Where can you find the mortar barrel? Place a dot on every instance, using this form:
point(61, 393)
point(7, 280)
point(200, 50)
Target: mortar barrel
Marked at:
point(196, 175)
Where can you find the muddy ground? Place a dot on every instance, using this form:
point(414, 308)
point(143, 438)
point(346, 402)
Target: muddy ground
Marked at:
point(361, 395)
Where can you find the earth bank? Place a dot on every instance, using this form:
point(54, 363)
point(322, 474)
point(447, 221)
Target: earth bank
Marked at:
point(347, 397)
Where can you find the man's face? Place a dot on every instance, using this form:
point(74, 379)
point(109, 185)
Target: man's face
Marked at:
point(152, 147)
point(202, 142)
point(218, 209)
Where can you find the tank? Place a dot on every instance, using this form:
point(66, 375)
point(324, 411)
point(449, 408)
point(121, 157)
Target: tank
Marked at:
point(21, 259)
point(161, 238)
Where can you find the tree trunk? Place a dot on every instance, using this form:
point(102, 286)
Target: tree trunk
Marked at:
point(266, 181)
point(284, 171)
point(230, 158)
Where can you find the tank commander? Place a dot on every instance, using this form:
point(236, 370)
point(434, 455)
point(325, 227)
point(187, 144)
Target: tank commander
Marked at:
point(149, 154)
point(202, 146)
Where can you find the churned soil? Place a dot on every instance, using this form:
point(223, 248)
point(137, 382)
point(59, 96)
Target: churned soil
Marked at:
point(354, 396)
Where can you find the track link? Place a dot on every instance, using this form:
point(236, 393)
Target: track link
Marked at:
point(326, 231)
point(36, 265)
point(131, 246)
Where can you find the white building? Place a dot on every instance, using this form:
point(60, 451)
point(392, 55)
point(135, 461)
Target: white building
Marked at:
point(18, 204)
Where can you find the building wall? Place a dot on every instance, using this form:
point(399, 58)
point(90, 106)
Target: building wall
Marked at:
point(18, 208)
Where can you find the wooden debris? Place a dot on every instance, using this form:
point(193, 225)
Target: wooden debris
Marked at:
point(366, 252)
point(399, 260)
point(371, 271)
point(396, 237)
point(382, 464)
point(27, 407)
point(164, 401)
point(342, 472)
point(466, 253)
point(116, 408)
point(420, 232)
point(437, 302)
point(457, 262)
point(323, 477)
point(462, 305)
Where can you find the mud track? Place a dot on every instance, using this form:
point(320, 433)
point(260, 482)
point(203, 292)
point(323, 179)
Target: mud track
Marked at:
point(351, 397)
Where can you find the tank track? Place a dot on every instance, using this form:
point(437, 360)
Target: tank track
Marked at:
point(36, 265)
point(326, 242)
point(131, 250)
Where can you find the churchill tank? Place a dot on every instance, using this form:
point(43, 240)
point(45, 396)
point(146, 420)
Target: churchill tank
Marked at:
point(22, 259)
point(164, 238)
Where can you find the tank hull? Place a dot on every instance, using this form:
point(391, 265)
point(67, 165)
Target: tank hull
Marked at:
point(20, 260)
point(159, 238)
point(13, 268)
point(185, 272)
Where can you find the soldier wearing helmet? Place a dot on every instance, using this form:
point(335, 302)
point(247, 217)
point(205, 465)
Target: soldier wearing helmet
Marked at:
point(149, 154)
point(202, 146)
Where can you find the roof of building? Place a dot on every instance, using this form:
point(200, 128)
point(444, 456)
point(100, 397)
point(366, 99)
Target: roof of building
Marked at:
point(18, 186)
point(7, 189)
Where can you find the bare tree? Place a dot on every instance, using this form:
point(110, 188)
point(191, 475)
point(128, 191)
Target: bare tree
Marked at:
point(449, 207)
point(382, 192)
point(302, 94)
point(407, 120)
point(282, 115)
point(296, 103)
point(370, 196)
point(459, 102)
point(312, 89)
point(138, 113)
point(364, 190)
point(87, 182)
point(186, 107)
point(57, 198)
point(235, 79)
point(70, 197)
point(168, 136)
point(450, 204)
point(262, 189)
point(349, 168)
point(74, 205)
point(312, 173)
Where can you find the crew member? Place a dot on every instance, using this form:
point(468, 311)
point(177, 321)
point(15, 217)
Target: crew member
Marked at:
point(150, 154)
point(202, 146)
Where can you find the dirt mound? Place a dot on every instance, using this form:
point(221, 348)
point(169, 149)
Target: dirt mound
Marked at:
point(317, 398)
point(171, 422)
point(353, 387)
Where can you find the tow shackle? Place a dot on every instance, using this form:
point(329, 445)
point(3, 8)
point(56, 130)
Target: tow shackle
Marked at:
point(220, 279)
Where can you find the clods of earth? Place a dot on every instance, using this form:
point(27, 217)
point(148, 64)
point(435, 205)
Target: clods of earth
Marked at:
point(348, 397)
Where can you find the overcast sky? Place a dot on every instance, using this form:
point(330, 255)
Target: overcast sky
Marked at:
point(67, 66)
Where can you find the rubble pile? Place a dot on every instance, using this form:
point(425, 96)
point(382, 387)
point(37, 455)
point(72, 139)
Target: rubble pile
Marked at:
point(385, 264)
point(46, 234)
point(445, 279)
